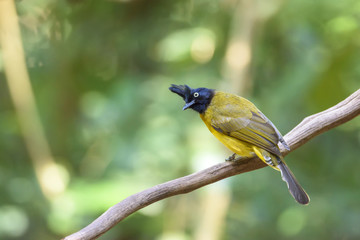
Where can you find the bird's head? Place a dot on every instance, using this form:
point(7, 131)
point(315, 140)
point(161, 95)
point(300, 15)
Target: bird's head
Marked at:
point(198, 99)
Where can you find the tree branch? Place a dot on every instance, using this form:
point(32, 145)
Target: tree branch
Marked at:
point(310, 127)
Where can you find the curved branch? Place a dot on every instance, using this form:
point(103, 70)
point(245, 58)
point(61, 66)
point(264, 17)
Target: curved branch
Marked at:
point(307, 129)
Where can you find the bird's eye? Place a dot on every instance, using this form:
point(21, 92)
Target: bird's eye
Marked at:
point(196, 94)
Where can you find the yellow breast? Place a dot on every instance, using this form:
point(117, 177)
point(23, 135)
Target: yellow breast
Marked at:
point(235, 145)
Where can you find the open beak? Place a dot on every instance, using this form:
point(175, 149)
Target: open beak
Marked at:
point(189, 104)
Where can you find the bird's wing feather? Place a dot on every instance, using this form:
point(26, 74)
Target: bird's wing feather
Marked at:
point(248, 125)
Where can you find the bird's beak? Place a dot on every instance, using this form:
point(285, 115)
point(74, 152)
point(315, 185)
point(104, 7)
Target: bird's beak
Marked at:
point(189, 104)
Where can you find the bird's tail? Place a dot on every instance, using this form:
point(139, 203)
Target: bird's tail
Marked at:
point(294, 187)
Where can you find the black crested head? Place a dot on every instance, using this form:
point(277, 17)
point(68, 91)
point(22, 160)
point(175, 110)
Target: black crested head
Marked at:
point(198, 99)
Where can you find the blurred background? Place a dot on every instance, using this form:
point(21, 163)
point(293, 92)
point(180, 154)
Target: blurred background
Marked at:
point(86, 117)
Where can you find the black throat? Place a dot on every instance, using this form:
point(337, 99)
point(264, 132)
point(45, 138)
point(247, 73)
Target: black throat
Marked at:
point(203, 104)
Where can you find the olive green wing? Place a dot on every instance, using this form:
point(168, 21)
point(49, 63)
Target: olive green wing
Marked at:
point(249, 125)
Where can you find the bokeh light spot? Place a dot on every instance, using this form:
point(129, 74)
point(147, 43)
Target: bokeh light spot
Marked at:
point(291, 221)
point(13, 221)
point(62, 209)
point(238, 54)
point(197, 43)
point(202, 48)
point(54, 178)
point(342, 24)
point(93, 104)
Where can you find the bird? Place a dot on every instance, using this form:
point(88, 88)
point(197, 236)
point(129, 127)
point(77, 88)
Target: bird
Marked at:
point(243, 128)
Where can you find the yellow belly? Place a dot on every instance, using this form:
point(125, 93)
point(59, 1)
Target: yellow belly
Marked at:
point(239, 147)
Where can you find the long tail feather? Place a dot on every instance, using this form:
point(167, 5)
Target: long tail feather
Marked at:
point(294, 187)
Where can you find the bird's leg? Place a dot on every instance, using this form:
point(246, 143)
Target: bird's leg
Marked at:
point(240, 158)
point(231, 158)
point(236, 158)
point(269, 160)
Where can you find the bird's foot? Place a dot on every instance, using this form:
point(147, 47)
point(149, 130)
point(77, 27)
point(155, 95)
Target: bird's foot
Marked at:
point(239, 158)
point(268, 160)
point(231, 158)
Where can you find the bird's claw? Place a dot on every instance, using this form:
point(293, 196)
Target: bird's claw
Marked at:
point(231, 158)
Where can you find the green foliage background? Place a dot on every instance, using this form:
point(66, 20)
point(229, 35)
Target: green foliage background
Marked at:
point(100, 72)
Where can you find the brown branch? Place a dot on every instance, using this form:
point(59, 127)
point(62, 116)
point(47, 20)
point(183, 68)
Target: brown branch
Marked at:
point(307, 129)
